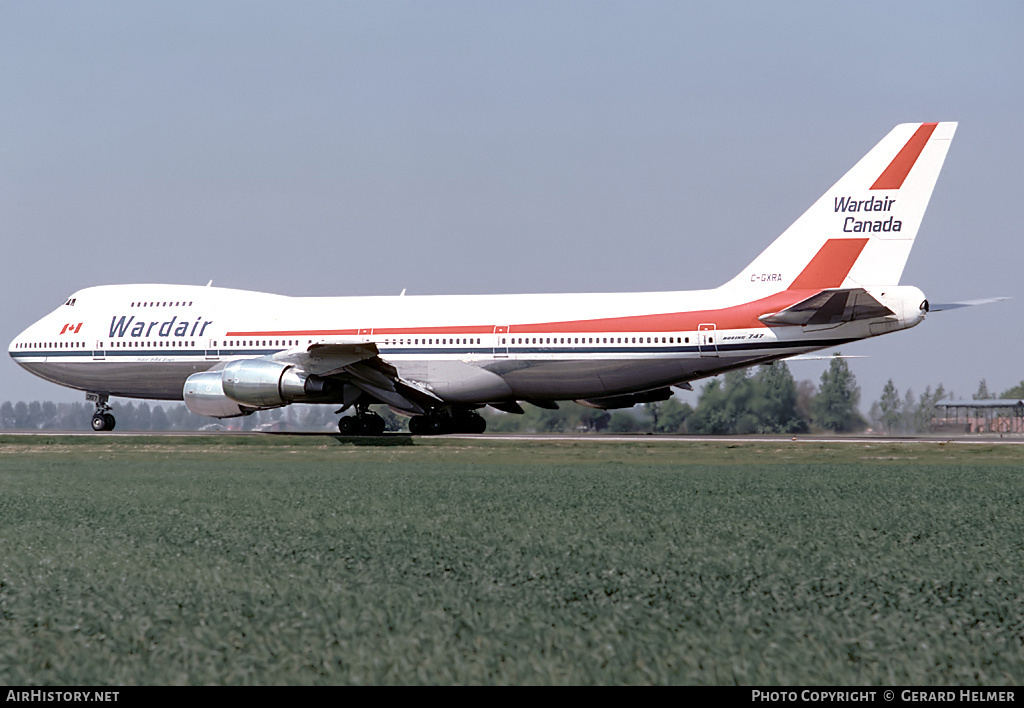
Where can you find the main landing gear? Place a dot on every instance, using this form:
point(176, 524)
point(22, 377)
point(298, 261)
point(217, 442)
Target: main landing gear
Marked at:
point(440, 423)
point(364, 422)
point(102, 419)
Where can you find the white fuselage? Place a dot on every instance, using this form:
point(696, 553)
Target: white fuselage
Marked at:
point(144, 341)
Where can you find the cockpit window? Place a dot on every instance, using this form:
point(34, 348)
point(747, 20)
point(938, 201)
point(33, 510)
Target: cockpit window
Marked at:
point(71, 302)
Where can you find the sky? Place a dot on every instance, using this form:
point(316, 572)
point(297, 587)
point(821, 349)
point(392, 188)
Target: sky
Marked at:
point(363, 148)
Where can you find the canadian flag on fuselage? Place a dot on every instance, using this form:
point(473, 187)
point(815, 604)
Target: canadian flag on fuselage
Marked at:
point(859, 233)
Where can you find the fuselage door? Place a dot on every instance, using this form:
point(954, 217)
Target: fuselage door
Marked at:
point(706, 340)
point(212, 354)
point(99, 354)
point(501, 340)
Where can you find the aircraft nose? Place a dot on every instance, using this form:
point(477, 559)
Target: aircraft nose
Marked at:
point(26, 341)
point(18, 344)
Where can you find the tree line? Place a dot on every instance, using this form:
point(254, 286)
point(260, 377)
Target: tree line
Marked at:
point(135, 415)
point(893, 413)
point(760, 400)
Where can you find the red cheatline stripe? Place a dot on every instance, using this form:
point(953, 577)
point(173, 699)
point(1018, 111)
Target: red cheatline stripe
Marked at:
point(734, 317)
point(900, 166)
point(830, 265)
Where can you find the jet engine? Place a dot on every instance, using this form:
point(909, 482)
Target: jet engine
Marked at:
point(246, 385)
point(204, 395)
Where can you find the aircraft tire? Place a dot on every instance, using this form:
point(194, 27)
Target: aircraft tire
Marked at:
point(470, 422)
point(437, 425)
point(371, 424)
point(349, 425)
point(429, 425)
point(102, 422)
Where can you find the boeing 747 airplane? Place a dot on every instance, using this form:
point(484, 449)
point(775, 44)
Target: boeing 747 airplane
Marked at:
point(830, 278)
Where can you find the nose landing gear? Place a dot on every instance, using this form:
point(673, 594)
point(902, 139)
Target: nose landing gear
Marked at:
point(102, 419)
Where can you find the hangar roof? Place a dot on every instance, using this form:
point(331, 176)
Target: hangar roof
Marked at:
point(984, 403)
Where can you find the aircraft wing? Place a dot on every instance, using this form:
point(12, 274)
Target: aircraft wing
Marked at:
point(358, 366)
point(325, 358)
point(832, 306)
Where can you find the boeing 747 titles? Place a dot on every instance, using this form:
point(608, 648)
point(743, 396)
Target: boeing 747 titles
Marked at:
point(830, 278)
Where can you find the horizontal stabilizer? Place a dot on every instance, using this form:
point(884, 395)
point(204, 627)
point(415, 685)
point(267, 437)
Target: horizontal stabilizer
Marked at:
point(803, 357)
point(829, 307)
point(940, 307)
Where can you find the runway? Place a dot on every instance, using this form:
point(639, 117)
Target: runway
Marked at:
point(406, 438)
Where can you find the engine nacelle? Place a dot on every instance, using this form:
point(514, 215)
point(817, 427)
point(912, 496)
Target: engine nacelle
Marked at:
point(247, 385)
point(204, 395)
point(261, 383)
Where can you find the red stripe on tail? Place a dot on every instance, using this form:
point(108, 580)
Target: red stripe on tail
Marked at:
point(830, 265)
point(900, 166)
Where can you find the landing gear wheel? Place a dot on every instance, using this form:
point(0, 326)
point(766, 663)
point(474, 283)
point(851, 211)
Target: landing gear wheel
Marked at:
point(102, 418)
point(433, 424)
point(102, 422)
point(476, 424)
point(469, 422)
point(444, 423)
point(371, 424)
point(437, 425)
point(367, 423)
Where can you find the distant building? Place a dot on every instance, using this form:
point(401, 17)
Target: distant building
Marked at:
point(995, 415)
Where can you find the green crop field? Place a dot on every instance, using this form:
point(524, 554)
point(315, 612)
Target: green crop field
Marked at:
point(303, 560)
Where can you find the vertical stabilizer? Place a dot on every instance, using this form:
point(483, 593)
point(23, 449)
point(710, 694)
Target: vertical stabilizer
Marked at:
point(859, 233)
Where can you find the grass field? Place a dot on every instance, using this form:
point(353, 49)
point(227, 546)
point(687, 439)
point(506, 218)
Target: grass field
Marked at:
point(295, 560)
